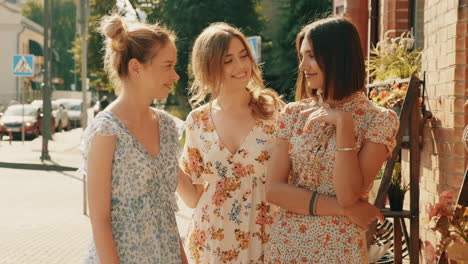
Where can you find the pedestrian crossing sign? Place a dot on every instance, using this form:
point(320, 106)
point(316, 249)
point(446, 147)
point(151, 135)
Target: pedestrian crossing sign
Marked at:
point(255, 43)
point(23, 65)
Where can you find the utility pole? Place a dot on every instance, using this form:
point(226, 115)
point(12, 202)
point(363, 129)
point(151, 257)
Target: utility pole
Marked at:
point(46, 92)
point(83, 15)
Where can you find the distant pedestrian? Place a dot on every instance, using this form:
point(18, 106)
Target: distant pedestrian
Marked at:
point(103, 103)
point(130, 151)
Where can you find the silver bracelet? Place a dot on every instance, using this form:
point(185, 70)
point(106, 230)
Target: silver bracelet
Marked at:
point(345, 149)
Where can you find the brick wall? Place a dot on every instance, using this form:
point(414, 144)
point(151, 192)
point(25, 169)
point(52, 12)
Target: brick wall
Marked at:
point(443, 158)
point(394, 17)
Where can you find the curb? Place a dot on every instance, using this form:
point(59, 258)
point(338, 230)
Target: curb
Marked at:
point(33, 166)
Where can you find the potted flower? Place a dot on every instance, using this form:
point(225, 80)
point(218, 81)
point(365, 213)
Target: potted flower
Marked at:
point(451, 222)
point(398, 188)
point(394, 58)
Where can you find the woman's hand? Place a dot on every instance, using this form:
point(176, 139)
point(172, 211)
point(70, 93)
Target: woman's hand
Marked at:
point(326, 115)
point(363, 213)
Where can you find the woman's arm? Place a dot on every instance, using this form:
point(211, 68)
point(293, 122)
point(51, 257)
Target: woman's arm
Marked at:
point(296, 199)
point(101, 153)
point(189, 192)
point(354, 172)
point(182, 253)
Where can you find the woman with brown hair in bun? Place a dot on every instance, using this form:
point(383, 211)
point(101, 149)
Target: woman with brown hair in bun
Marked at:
point(130, 151)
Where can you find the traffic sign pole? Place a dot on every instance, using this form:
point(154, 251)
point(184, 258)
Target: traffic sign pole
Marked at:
point(46, 104)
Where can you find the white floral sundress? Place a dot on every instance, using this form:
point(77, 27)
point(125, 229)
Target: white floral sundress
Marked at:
point(232, 220)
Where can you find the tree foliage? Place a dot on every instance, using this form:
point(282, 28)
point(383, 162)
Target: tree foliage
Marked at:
point(282, 61)
point(63, 34)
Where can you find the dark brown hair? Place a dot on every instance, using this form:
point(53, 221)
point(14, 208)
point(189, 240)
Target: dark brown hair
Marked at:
point(127, 40)
point(337, 48)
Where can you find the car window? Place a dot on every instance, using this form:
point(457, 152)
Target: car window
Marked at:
point(18, 111)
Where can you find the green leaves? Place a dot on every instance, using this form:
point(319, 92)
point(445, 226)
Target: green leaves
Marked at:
point(393, 58)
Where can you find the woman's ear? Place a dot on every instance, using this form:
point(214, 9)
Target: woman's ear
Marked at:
point(134, 67)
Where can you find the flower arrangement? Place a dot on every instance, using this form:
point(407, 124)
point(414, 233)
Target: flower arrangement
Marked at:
point(394, 58)
point(394, 98)
point(451, 222)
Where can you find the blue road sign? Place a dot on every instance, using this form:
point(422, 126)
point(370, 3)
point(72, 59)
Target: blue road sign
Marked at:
point(255, 43)
point(23, 65)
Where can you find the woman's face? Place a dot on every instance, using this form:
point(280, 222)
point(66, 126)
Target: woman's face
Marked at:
point(158, 75)
point(237, 65)
point(309, 66)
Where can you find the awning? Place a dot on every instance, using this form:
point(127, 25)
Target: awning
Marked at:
point(35, 48)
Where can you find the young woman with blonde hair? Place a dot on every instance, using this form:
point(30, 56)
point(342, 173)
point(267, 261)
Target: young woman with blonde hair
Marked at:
point(130, 151)
point(227, 150)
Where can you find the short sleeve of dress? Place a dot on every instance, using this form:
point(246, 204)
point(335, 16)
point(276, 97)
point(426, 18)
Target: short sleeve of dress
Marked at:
point(285, 122)
point(191, 160)
point(176, 129)
point(104, 126)
point(384, 130)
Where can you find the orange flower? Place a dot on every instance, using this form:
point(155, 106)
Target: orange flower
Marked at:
point(359, 112)
point(327, 239)
point(303, 228)
point(282, 125)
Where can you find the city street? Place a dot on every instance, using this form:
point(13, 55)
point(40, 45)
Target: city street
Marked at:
point(41, 211)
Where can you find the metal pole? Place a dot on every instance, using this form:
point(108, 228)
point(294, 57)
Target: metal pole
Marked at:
point(83, 13)
point(84, 61)
point(46, 104)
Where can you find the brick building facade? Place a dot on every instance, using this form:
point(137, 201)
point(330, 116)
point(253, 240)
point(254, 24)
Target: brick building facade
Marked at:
point(440, 28)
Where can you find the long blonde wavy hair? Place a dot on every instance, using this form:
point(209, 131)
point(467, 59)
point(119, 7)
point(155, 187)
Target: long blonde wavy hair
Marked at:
point(207, 68)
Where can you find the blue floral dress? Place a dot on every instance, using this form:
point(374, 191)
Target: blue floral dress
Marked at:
point(143, 198)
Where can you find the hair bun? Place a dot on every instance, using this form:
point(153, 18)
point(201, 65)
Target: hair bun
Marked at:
point(114, 28)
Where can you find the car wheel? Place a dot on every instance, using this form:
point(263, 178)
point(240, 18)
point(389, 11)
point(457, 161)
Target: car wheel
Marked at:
point(59, 127)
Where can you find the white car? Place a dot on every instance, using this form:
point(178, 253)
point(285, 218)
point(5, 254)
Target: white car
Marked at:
point(59, 112)
point(74, 110)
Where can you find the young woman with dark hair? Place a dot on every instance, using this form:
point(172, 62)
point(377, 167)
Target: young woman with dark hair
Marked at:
point(330, 143)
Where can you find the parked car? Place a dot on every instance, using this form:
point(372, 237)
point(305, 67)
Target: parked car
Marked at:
point(59, 112)
point(14, 121)
point(73, 107)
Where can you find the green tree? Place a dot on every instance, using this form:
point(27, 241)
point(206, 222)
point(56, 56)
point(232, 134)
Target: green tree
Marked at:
point(63, 34)
point(281, 57)
point(95, 54)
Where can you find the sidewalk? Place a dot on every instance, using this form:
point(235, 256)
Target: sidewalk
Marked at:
point(63, 150)
point(42, 205)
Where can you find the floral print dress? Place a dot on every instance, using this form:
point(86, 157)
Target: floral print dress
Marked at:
point(232, 220)
point(143, 199)
point(324, 239)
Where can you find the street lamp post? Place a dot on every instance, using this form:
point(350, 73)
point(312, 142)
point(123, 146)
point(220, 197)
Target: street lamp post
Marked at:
point(83, 16)
point(46, 92)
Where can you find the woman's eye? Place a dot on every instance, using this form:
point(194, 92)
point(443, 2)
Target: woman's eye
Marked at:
point(311, 56)
point(229, 61)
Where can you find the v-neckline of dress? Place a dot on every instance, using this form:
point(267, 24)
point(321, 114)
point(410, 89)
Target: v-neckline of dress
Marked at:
point(135, 139)
point(244, 140)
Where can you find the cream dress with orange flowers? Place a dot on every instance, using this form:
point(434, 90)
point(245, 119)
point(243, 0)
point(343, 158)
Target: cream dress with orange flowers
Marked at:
point(232, 221)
